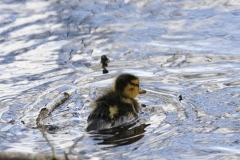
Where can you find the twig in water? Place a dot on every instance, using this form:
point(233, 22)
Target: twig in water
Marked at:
point(45, 136)
point(75, 143)
point(50, 107)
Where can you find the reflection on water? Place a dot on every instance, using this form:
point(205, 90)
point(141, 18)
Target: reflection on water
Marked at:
point(123, 135)
point(188, 48)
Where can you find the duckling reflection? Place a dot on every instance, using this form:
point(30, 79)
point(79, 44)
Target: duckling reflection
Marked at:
point(117, 106)
point(121, 135)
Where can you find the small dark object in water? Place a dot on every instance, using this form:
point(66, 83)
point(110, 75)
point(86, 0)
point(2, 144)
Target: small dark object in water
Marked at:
point(105, 71)
point(51, 128)
point(180, 98)
point(143, 105)
point(104, 61)
point(22, 122)
point(12, 121)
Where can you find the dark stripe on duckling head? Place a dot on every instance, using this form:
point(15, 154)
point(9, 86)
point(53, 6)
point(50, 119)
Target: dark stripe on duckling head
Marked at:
point(122, 81)
point(136, 85)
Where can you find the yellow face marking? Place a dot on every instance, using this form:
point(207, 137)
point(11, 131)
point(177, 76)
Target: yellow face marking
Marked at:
point(132, 90)
point(113, 111)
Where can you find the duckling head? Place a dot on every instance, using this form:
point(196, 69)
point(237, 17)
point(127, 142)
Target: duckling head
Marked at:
point(127, 85)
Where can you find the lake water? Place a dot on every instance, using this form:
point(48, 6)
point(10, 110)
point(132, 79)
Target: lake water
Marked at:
point(176, 47)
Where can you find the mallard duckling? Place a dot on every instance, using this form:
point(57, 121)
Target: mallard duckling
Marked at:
point(117, 105)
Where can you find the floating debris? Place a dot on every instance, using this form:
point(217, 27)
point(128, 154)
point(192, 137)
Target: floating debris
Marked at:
point(105, 71)
point(12, 121)
point(180, 98)
point(50, 107)
point(104, 61)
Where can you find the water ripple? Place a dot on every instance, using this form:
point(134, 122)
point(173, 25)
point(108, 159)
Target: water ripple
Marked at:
point(188, 49)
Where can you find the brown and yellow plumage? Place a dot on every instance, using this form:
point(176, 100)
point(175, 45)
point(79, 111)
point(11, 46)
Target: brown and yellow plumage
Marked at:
point(116, 106)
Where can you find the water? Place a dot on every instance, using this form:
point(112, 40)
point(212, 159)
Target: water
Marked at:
point(188, 48)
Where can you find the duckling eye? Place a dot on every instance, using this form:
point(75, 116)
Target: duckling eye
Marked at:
point(136, 85)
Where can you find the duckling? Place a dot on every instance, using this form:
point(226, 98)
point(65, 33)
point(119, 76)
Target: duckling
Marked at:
point(117, 105)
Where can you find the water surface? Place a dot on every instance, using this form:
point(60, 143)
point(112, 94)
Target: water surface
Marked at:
point(187, 47)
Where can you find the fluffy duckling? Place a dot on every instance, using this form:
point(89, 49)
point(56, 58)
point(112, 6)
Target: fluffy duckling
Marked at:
point(116, 106)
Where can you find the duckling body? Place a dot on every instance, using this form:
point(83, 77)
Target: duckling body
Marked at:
point(110, 110)
point(117, 105)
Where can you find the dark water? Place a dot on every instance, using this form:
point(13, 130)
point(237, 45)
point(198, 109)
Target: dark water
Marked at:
point(187, 47)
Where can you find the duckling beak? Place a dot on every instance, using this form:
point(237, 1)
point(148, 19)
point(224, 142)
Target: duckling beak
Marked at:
point(142, 91)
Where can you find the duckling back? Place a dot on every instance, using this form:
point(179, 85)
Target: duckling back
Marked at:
point(110, 110)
